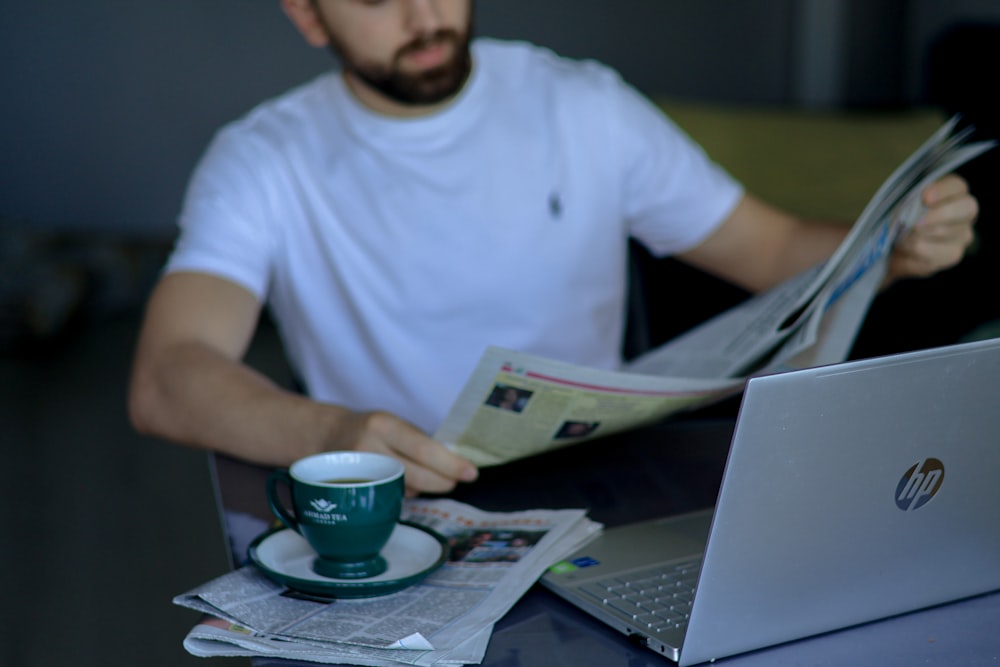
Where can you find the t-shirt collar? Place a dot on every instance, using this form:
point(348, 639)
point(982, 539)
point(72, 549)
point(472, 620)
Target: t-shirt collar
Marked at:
point(445, 123)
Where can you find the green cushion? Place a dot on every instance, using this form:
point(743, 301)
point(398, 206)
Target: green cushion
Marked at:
point(824, 165)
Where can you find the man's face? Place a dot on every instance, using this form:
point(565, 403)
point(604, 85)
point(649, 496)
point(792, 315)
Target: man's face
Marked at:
point(411, 52)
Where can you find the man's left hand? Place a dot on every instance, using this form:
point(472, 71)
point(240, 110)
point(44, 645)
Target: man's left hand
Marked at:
point(942, 236)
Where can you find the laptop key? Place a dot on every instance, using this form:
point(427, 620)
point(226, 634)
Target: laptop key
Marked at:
point(626, 607)
point(649, 620)
point(597, 591)
point(657, 608)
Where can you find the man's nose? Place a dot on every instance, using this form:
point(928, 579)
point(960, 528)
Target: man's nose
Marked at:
point(424, 17)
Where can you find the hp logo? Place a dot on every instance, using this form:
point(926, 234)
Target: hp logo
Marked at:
point(919, 484)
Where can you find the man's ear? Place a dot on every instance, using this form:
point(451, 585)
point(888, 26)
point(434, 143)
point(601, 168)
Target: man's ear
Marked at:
point(303, 15)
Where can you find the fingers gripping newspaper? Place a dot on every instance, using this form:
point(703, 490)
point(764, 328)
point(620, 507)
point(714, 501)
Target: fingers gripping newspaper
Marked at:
point(516, 405)
point(447, 618)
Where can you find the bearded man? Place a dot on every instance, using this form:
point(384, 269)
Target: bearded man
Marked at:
point(373, 209)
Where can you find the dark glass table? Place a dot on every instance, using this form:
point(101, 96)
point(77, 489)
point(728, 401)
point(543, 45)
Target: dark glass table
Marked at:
point(669, 468)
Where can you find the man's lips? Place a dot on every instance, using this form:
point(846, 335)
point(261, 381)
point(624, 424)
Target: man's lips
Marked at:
point(428, 55)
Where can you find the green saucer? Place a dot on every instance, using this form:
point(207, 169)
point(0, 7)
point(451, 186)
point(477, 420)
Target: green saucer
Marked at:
point(412, 553)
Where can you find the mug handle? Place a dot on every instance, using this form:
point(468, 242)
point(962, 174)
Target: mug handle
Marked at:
point(274, 500)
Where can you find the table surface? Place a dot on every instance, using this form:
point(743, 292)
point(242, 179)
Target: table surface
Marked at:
point(667, 469)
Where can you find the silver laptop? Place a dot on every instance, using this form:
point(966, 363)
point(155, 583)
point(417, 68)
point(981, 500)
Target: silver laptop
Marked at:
point(852, 492)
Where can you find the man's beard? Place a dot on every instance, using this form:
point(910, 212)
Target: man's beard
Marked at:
point(427, 87)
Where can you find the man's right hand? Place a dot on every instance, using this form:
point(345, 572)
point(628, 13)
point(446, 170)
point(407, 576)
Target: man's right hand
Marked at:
point(190, 385)
point(430, 466)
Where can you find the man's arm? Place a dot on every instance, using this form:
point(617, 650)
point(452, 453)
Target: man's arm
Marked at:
point(189, 385)
point(759, 246)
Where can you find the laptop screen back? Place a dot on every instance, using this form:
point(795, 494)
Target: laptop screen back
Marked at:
point(853, 492)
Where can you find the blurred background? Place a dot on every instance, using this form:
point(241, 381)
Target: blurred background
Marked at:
point(107, 105)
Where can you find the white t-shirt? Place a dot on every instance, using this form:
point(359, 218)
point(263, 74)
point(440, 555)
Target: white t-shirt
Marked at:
point(392, 252)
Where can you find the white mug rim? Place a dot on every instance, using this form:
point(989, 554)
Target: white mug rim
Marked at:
point(390, 469)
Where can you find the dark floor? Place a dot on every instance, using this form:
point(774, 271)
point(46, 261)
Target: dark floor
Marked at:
point(101, 527)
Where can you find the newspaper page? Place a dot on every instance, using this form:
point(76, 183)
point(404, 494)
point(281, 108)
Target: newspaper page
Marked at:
point(516, 405)
point(750, 336)
point(444, 619)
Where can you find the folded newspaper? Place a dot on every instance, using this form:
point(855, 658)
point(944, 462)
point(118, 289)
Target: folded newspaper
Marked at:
point(447, 618)
point(516, 405)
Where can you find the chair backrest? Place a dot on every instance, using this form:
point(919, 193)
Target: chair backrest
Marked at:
point(240, 502)
point(667, 297)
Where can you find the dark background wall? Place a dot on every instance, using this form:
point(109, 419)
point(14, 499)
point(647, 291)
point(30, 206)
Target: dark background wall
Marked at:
point(108, 103)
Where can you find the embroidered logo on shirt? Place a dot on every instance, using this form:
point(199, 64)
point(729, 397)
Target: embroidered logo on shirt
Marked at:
point(555, 205)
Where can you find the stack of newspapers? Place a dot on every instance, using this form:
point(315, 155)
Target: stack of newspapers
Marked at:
point(447, 618)
point(810, 320)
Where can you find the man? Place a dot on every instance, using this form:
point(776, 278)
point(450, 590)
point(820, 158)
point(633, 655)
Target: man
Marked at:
point(373, 209)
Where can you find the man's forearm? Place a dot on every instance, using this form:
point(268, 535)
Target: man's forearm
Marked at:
point(193, 395)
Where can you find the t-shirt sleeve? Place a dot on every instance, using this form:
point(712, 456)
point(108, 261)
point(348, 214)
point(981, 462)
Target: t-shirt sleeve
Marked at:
point(674, 195)
point(223, 221)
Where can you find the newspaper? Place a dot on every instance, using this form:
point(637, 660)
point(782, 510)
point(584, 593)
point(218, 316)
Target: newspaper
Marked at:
point(446, 618)
point(516, 404)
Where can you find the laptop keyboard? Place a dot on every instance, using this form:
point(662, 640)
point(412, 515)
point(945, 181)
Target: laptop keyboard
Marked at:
point(658, 598)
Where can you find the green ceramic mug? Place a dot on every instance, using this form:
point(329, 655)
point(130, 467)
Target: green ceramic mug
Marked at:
point(346, 505)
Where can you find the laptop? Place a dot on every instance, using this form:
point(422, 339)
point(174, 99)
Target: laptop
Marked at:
point(852, 492)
